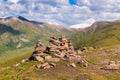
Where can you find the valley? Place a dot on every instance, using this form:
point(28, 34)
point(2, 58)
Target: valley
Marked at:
point(98, 44)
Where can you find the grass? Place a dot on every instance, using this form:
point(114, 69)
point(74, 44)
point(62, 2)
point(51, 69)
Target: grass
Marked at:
point(105, 38)
point(27, 71)
point(101, 36)
point(11, 57)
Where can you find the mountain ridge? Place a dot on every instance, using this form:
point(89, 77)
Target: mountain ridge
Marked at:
point(103, 33)
point(16, 30)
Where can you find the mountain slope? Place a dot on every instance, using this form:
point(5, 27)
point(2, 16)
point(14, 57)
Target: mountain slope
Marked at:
point(17, 33)
point(99, 34)
point(18, 29)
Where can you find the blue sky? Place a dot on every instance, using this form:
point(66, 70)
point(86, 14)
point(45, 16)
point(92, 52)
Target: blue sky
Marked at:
point(73, 2)
point(65, 12)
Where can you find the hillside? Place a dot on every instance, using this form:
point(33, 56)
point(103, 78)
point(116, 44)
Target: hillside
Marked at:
point(19, 34)
point(96, 58)
point(104, 35)
point(100, 34)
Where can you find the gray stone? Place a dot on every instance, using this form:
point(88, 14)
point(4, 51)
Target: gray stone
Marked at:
point(53, 64)
point(54, 60)
point(73, 65)
point(38, 58)
point(47, 58)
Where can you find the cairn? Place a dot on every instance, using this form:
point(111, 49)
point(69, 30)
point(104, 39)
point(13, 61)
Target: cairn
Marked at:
point(59, 49)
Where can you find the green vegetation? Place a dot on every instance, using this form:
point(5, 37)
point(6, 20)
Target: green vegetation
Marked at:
point(16, 32)
point(96, 58)
point(101, 34)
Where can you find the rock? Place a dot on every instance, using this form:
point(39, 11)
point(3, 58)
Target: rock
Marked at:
point(17, 64)
point(78, 51)
point(83, 61)
point(60, 55)
point(90, 48)
point(84, 49)
point(110, 67)
point(73, 65)
point(19, 45)
point(118, 49)
point(52, 64)
point(118, 63)
point(38, 58)
point(54, 60)
point(85, 64)
point(47, 58)
point(71, 58)
point(112, 63)
point(24, 60)
point(78, 58)
point(38, 65)
point(39, 47)
point(60, 49)
point(45, 66)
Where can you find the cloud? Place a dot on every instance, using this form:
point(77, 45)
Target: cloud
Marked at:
point(14, 1)
point(61, 11)
point(85, 23)
point(83, 2)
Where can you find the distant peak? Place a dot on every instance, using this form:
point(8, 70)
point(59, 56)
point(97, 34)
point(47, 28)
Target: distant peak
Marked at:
point(22, 18)
point(14, 17)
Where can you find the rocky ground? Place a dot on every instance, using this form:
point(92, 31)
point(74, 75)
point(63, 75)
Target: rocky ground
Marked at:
point(93, 64)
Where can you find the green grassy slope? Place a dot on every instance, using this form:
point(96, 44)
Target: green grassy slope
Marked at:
point(27, 71)
point(15, 32)
point(101, 34)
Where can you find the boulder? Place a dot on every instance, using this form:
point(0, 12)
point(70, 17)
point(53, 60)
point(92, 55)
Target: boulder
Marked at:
point(38, 58)
point(72, 65)
point(52, 64)
point(54, 60)
point(24, 60)
point(78, 51)
point(112, 63)
point(110, 67)
point(47, 58)
point(59, 49)
point(90, 48)
point(78, 58)
point(43, 66)
point(17, 64)
point(46, 67)
point(60, 55)
point(39, 65)
point(118, 63)
point(84, 49)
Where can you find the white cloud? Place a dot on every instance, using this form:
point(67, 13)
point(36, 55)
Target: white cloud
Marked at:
point(60, 11)
point(14, 1)
point(17, 7)
point(84, 2)
point(84, 24)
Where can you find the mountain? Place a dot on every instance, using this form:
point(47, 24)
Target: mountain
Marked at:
point(19, 29)
point(17, 33)
point(104, 33)
point(100, 34)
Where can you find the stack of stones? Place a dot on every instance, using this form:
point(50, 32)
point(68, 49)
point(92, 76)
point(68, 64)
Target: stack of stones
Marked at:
point(59, 49)
point(111, 66)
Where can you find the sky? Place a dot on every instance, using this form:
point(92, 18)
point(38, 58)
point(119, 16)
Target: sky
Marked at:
point(64, 12)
